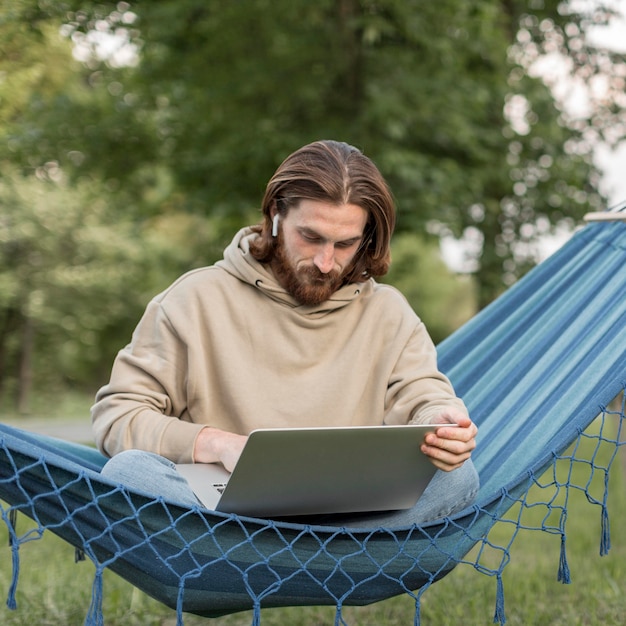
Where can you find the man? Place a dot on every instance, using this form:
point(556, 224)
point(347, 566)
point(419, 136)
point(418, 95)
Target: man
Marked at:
point(288, 329)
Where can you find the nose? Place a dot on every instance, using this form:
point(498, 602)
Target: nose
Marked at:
point(325, 258)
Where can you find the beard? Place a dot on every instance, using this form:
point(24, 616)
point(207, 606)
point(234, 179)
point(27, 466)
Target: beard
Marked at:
point(308, 285)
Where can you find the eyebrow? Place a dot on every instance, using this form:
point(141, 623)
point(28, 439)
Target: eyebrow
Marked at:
point(306, 230)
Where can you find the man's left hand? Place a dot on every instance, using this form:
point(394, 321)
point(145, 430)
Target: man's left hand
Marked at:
point(449, 448)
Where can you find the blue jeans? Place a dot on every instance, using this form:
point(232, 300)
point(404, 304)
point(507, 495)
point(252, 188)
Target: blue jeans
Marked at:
point(447, 493)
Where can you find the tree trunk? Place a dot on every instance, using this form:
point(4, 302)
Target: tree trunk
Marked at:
point(25, 381)
point(9, 325)
point(349, 89)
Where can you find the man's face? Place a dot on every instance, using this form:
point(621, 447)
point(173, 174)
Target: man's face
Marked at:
point(317, 242)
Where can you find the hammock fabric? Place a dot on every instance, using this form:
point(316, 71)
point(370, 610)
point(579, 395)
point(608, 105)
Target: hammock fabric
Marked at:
point(535, 368)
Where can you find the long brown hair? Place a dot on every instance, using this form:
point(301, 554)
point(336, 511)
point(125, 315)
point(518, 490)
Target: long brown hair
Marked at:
point(338, 173)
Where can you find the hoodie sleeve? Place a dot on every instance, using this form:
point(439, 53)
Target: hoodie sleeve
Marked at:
point(143, 406)
point(417, 391)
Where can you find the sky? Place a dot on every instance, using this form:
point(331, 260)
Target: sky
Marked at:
point(573, 93)
point(613, 163)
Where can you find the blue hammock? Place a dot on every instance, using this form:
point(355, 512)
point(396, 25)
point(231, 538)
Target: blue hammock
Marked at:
point(535, 368)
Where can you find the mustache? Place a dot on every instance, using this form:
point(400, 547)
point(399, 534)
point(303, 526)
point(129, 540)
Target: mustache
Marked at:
point(314, 274)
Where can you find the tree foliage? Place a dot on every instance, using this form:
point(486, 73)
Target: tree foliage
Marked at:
point(72, 284)
point(174, 113)
point(444, 301)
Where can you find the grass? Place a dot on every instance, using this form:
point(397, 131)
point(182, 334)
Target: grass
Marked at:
point(69, 406)
point(53, 589)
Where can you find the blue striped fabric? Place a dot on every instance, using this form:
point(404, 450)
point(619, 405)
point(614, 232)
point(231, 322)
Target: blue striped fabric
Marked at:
point(541, 362)
point(535, 368)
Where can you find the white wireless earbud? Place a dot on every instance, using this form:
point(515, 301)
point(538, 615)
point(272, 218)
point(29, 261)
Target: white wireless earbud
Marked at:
point(275, 225)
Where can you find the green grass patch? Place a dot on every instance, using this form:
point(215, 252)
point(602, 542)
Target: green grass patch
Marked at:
point(69, 405)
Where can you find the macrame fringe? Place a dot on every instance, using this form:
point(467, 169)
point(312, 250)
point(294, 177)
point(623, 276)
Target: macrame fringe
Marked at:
point(499, 616)
point(256, 617)
point(418, 611)
point(339, 620)
point(94, 616)
point(605, 539)
point(564, 573)
point(179, 603)
point(15, 557)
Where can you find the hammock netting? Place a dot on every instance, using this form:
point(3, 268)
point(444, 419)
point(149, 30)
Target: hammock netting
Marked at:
point(542, 370)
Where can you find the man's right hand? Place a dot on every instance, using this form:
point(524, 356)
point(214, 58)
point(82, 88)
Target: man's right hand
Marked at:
point(218, 446)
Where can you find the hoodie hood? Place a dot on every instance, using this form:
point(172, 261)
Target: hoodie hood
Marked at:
point(241, 264)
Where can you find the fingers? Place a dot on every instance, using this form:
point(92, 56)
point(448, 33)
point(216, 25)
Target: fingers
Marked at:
point(448, 437)
point(452, 415)
point(445, 466)
point(444, 459)
point(448, 453)
point(449, 448)
point(461, 420)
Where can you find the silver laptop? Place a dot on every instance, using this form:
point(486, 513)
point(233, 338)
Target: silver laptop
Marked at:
point(310, 471)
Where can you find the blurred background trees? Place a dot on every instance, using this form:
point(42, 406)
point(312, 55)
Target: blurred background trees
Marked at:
point(136, 137)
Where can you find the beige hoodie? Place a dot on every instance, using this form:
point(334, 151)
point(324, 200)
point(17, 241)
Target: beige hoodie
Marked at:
point(226, 346)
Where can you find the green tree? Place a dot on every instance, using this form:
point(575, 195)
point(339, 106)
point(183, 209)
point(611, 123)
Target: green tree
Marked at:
point(176, 133)
point(72, 285)
point(444, 301)
point(222, 91)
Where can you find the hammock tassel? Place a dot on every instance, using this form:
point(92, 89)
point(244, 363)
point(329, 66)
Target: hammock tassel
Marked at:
point(418, 617)
point(605, 539)
point(256, 617)
point(15, 558)
point(564, 573)
point(179, 603)
point(94, 617)
point(15, 555)
point(499, 617)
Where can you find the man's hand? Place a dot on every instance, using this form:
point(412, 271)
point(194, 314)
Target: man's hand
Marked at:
point(218, 446)
point(449, 448)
